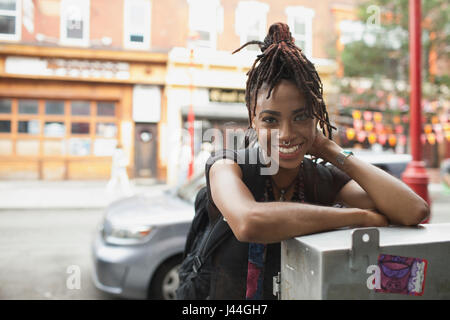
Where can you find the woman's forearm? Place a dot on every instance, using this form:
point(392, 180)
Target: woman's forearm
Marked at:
point(271, 222)
point(392, 197)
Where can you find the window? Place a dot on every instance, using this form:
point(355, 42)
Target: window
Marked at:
point(205, 21)
point(5, 126)
point(300, 24)
point(251, 21)
point(81, 108)
point(54, 129)
point(28, 107)
point(80, 128)
point(58, 127)
point(10, 19)
point(5, 106)
point(54, 107)
point(29, 127)
point(106, 109)
point(137, 14)
point(74, 26)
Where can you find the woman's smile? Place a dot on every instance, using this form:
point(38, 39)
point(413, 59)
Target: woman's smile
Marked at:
point(292, 152)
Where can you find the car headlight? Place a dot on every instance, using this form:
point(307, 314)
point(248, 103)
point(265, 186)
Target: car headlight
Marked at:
point(125, 235)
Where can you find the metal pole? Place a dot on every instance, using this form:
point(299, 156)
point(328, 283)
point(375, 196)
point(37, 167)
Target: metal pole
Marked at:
point(191, 116)
point(415, 174)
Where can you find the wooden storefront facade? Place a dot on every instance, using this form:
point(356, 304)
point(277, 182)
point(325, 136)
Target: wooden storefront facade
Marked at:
point(63, 110)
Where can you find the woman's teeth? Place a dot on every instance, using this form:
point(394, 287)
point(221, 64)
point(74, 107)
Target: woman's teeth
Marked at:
point(289, 150)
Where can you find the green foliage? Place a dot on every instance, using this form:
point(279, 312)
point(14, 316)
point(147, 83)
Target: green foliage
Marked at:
point(360, 59)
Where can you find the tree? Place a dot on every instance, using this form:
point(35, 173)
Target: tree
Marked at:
point(388, 51)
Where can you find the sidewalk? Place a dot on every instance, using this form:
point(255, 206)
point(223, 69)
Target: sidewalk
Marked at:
point(93, 195)
point(66, 194)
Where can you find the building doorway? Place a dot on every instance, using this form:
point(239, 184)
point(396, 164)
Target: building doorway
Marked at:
point(145, 150)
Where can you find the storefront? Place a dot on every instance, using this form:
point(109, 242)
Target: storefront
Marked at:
point(63, 110)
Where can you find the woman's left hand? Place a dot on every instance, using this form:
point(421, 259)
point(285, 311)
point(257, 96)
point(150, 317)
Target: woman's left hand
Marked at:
point(320, 145)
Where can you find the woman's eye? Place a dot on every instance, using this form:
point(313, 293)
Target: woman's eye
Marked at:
point(269, 120)
point(301, 117)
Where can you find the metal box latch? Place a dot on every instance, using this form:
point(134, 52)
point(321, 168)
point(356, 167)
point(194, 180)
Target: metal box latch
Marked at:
point(365, 247)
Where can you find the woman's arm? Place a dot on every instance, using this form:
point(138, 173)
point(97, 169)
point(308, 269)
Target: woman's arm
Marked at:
point(375, 188)
point(268, 222)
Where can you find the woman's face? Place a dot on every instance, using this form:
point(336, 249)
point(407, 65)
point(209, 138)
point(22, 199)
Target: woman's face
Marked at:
point(284, 111)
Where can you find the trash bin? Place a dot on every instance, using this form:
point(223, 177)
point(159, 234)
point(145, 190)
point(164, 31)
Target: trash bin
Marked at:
point(367, 263)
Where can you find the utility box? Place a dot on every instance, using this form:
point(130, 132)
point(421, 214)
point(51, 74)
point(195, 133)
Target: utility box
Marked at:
point(368, 263)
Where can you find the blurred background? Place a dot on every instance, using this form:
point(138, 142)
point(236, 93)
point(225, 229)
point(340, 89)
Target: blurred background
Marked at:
point(80, 78)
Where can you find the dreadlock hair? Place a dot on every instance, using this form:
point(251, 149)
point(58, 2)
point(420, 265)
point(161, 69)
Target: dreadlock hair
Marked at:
point(282, 59)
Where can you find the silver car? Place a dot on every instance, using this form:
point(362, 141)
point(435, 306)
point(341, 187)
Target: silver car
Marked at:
point(139, 244)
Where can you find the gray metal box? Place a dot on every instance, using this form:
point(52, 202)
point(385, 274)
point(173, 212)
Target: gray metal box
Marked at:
point(368, 263)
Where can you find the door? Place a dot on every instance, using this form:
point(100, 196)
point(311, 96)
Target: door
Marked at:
point(145, 150)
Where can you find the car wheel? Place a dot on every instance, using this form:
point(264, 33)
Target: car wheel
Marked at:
point(166, 281)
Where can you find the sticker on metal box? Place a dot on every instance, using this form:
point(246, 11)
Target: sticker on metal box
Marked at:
point(403, 275)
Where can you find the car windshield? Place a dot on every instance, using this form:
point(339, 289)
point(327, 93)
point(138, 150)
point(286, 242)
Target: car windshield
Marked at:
point(188, 191)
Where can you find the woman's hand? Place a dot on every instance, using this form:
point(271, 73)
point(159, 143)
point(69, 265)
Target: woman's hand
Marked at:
point(320, 145)
point(371, 218)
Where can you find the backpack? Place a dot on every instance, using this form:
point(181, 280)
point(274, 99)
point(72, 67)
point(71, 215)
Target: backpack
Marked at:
point(203, 238)
point(206, 234)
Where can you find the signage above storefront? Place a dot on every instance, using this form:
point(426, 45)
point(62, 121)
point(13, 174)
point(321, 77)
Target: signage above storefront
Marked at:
point(53, 67)
point(228, 96)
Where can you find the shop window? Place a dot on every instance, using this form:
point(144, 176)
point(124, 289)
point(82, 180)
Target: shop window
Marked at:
point(251, 20)
point(80, 128)
point(137, 15)
point(27, 147)
point(29, 126)
point(300, 24)
point(106, 109)
point(5, 147)
point(74, 26)
point(79, 147)
point(5, 106)
point(5, 126)
point(106, 130)
point(81, 108)
point(28, 107)
point(10, 20)
point(54, 129)
point(54, 107)
point(54, 148)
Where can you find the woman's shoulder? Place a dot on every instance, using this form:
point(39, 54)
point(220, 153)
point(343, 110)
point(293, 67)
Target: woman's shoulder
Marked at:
point(242, 157)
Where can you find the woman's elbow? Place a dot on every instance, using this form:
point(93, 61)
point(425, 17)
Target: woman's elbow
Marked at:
point(247, 230)
point(417, 216)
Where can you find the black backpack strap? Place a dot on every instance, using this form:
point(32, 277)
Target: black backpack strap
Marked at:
point(249, 161)
point(217, 234)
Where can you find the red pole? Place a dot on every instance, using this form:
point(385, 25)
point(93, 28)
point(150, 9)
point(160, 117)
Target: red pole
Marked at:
point(191, 116)
point(415, 174)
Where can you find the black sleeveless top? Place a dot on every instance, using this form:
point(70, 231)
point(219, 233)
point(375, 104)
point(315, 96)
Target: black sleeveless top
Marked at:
point(321, 183)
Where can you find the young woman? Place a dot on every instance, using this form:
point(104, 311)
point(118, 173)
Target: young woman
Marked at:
point(284, 93)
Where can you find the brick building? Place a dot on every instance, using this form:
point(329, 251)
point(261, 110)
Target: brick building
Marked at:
point(78, 76)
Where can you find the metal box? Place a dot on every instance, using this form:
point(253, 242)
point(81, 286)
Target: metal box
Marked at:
point(368, 263)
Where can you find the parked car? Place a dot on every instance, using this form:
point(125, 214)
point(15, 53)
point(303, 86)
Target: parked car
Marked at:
point(139, 244)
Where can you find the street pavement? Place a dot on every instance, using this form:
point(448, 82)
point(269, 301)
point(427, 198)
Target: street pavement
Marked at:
point(67, 194)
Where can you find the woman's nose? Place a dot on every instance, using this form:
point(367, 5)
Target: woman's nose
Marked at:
point(285, 132)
